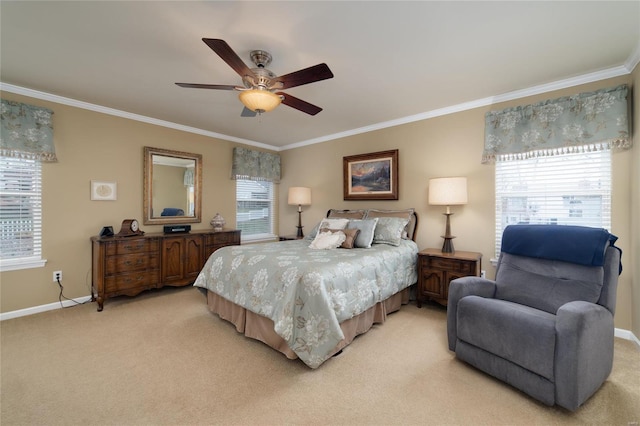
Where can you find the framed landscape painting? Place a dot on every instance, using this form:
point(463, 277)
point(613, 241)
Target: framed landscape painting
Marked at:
point(371, 176)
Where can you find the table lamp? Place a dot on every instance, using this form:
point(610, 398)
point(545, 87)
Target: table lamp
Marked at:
point(299, 196)
point(448, 192)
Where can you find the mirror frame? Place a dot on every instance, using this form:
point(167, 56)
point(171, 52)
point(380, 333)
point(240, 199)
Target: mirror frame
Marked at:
point(148, 187)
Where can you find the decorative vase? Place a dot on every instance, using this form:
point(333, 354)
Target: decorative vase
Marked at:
point(217, 222)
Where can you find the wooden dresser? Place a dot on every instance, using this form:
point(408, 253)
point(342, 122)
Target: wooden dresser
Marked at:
point(130, 265)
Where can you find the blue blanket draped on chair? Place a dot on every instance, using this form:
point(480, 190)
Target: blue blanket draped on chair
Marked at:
point(575, 244)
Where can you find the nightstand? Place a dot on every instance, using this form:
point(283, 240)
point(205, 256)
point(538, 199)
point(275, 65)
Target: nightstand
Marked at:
point(437, 269)
point(288, 237)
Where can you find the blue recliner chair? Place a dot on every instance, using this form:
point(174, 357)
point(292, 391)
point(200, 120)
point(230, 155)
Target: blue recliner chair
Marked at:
point(545, 325)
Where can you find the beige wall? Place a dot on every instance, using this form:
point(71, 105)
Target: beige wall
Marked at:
point(450, 145)
point(94, 146)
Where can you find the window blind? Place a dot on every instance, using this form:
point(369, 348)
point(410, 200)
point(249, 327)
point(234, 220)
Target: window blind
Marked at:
point(20, 212)
point(568, 189)
point(255, 209)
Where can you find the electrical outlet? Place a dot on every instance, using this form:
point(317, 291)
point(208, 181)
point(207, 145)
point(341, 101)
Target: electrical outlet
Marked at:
point(483, 274)
point(57, 276)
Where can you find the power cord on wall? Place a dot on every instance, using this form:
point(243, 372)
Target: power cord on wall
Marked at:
point(62, 296)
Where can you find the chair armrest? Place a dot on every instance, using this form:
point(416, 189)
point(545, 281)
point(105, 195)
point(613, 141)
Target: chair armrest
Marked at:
point(459, 288)
point(584, 352)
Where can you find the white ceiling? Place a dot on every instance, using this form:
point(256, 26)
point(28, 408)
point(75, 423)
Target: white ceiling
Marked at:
point(394, 62)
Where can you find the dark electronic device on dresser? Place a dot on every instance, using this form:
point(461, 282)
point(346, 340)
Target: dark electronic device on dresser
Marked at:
point(175, 229)
point(107, 231)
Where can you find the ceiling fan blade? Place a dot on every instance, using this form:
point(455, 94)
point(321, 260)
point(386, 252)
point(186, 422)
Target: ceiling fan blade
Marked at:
point(207, 86)
point(299, 104)
point(246, 112)
point(229, 56)
point(305, 76)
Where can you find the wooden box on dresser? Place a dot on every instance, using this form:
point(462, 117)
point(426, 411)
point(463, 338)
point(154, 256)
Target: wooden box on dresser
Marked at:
point(130, 265)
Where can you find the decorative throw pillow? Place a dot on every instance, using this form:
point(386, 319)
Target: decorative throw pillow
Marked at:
point(347, 214)
point(389, 230)
point(350, 235)
point(404, 213)
point(366, 227)
point(328, 223)
point(327, 240)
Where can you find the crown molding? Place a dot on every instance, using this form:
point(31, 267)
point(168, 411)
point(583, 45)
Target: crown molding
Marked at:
point(517, 94)
point(123, 114)
point(625, 69)
point(633, 60)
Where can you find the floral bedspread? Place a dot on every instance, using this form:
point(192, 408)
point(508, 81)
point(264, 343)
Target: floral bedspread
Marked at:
point(307, 292)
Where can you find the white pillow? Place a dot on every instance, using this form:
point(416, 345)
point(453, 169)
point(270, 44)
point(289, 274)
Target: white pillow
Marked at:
point(328, 223)
point(337, 223)
point(328, 240)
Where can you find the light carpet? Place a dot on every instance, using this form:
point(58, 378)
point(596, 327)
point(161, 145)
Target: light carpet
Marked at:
point(163, 358)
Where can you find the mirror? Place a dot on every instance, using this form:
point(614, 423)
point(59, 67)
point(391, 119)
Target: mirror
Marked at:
point(172, 186)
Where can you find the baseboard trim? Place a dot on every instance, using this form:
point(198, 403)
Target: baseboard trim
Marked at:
point(618, 332)
point(627, 335)
point(42, 308)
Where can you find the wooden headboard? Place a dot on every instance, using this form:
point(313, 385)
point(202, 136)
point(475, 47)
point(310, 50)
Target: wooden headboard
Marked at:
point(411, 227)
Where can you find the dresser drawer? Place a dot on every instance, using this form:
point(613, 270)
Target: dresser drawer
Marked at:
point(452, 265)
point(215, 247)
point(130, 263)
point(134, 245)
point(223, 238)
point(131, 280)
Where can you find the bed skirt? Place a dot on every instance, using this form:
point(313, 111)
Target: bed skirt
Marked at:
point(261, 328)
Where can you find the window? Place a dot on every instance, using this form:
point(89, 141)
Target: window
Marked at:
point(255, 209)
point(567, 189)
point(20, 213)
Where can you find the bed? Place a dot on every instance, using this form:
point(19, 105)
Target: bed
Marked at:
point(309, 303)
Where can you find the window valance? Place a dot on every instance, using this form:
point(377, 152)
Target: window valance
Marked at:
point(26, 131)
point(586, 121)
point(255, 165)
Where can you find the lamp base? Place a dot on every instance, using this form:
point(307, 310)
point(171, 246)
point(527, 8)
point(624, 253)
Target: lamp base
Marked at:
point(447, 246)
point(299, 234)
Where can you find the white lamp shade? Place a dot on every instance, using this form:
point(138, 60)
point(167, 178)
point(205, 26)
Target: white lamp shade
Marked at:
point(259, 100)
point(299, 196)
point(448, 191)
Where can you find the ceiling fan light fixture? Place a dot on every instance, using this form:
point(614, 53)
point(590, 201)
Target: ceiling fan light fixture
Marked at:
point(261, 86)
point(259, 100)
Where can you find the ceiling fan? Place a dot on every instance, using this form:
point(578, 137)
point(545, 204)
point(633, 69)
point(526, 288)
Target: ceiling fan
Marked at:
point(260, 92)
